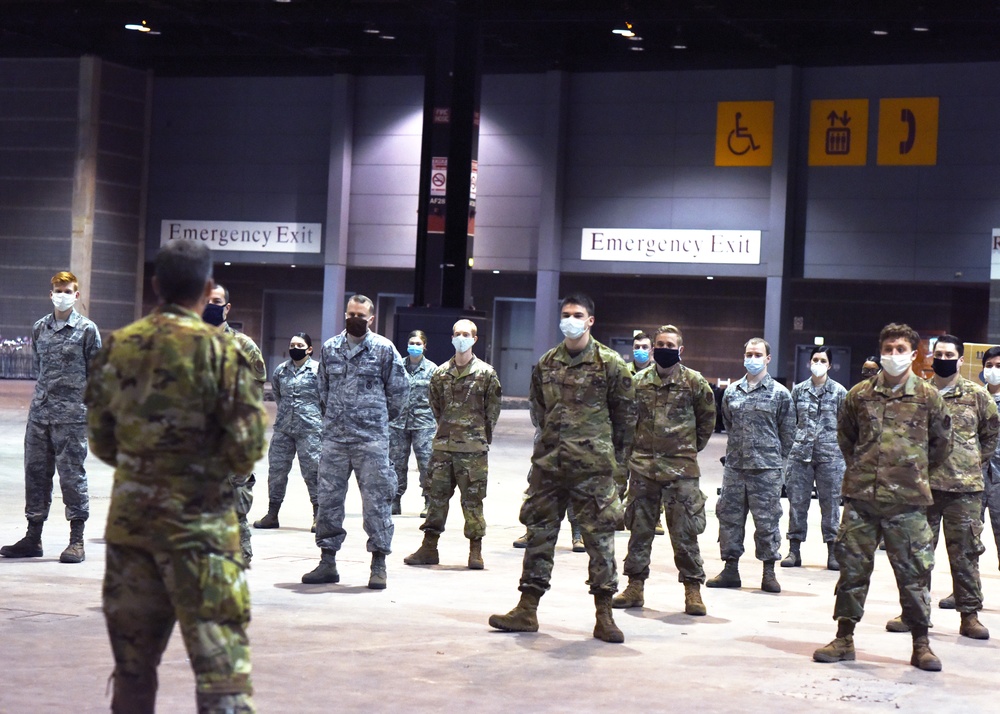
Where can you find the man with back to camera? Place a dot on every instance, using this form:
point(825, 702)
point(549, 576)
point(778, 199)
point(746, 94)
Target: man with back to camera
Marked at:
point(362, 387)
point(991, 472)
point(175, 407)
point(464, 395)
point(893, 430)
point(676, 417)
point(216, 313)
point(63, 343)
point(760, 423)
point(957, 484)
point(582, 399)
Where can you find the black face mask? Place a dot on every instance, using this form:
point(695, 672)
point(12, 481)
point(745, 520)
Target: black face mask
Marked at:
point(214, 314)
point(944, 368)
point(356, 326)
point(297, 353)
point(666, 357)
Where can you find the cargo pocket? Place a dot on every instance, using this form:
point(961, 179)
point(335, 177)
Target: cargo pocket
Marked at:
point(225, 595)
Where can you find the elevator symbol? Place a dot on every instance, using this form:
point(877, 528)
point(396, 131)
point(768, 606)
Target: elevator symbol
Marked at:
point(838, 138)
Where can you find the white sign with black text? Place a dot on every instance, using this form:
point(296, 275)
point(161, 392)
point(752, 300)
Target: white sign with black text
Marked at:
point(258, 237)
point(667, 245)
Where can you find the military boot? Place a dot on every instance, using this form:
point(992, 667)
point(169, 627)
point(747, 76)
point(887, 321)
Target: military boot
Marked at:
point(693, 604)
point(728, 578)
point(923, 658)
point(578, 546)
point(947, 603)
point(378, 576)
point(423, 512)
point(658, 528)
point(427, 553)
point(831, 556)
point(972, 627)
point(631, 596)
point(270, 520)
point(315, 513)
point(325, 572)
point(842, 648)
point(605, 627)
point(896, 624)
point(397, 506)
point(768, 582)
point(794, 557)
point(28, 547)
point(74, 551)
point(521, 542)
point(476, 554)
point(524, 616)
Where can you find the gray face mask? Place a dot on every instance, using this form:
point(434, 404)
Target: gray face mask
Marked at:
point(462, 344)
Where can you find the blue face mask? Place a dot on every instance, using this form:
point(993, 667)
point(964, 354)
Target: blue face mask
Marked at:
point(641, 356)
point(754, 365)
point(414, 350)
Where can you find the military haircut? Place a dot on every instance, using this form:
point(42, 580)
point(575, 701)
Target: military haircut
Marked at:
point(822, 349)
point(758, 341)
point(65, 277)
point(670, 329)
point(639, 336)
point(418, 334)
point(363, 300)
point(990, 354)
point(474, 330)
point(952, 340)
point(584, 301)
point(225, 291)
point(304, 336)
point(182, 268)
point(898, 331)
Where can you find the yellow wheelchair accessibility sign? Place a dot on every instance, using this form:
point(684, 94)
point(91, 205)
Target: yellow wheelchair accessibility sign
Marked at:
point(744, 134)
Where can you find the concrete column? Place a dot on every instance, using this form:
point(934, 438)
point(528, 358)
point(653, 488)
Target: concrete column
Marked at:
point(549, 261)
point(338, 198)
point(81, 254)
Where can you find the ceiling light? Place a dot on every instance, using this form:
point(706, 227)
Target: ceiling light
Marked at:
point(496, 272)
point(227, 263)
point(370, 30)
point(635, 38)
point(387, 37)
point(880, 32)
point(921, 27)
point(679, 46)
point(626, 31)
point(678, 42)
point(637, 48)
point(709, 277)
point(293, 266)
point(138, 28)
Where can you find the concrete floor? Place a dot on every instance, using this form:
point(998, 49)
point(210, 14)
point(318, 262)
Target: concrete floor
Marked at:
point(423, 645)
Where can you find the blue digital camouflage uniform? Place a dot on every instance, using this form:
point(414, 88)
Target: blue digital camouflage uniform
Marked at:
point(957, 488)
point(584, 406)
point(991, 488)
point(890, 440)
point(760, 423)
point(675, 419)
point(815, 458)
point(175, 406)
point(243, 483)
point(414, 427)
point(466, 402)
point(298, 428)
point(56, 434)
point(362, 387)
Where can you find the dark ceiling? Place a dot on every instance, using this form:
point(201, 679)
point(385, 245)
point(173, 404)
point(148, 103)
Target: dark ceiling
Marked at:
point(269, 37)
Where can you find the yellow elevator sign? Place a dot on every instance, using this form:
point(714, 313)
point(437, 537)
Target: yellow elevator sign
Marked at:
point(908, 131)
point(838, 132)
point(744, 134)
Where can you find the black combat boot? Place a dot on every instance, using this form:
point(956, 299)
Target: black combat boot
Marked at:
point(28, 547)
point(270, 520)
point(325, 572)
point(768, 581)
point(524, 616)
point(831, 557)
point(315, 513)
point(377, 581)
point(728, 578)
point(74, 551)
point(794, 557)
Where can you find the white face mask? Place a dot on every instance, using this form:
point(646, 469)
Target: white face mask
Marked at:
point(462, 344)
point(895, 365)
point(63, 301)
point(992, 375)
point(818, 369)
point(573, 327)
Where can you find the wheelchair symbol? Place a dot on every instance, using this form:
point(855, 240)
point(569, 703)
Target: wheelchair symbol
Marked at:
point(740, 132)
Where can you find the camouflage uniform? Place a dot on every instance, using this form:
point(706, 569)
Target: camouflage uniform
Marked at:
point(585, 408)
point(815, 457)
point(760, 423)
point(991, 487)
point(297, 428)
point(56, 433)
point(957, 488)
point(243, 483)
point(890, 441)
point(676, 417)
point(466, 403)
point(413, 427)
point(173, 405)
point(362, 389)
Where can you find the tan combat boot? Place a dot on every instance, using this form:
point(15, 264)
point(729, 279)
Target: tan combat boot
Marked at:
point(923, 658)
point(476, 554)
point(605, 628)
point(631, 596)
point(842, 648)
point(74, 551)
point(524, 616)
point(427, 553)
point(728, 578)
point(693, 604)
point(972, 627)
point(378, 578)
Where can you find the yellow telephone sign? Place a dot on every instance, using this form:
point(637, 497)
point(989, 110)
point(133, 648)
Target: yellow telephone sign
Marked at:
point(744, 134)
point(838, 132)
point(908, 131)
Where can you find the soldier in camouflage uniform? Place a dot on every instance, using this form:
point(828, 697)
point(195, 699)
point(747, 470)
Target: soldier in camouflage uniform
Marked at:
point(63, 343)
point(216, 313)
point(174, 406)
point(297, 427)
point(676, 417)
point(415, 426)
point(991, 472)
point(583, 401)
point(957, 484)
point(815, 458)
point(363, 386)
point(893, 430)
point(760, 422)
point(465, 399)
point(642, 357)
